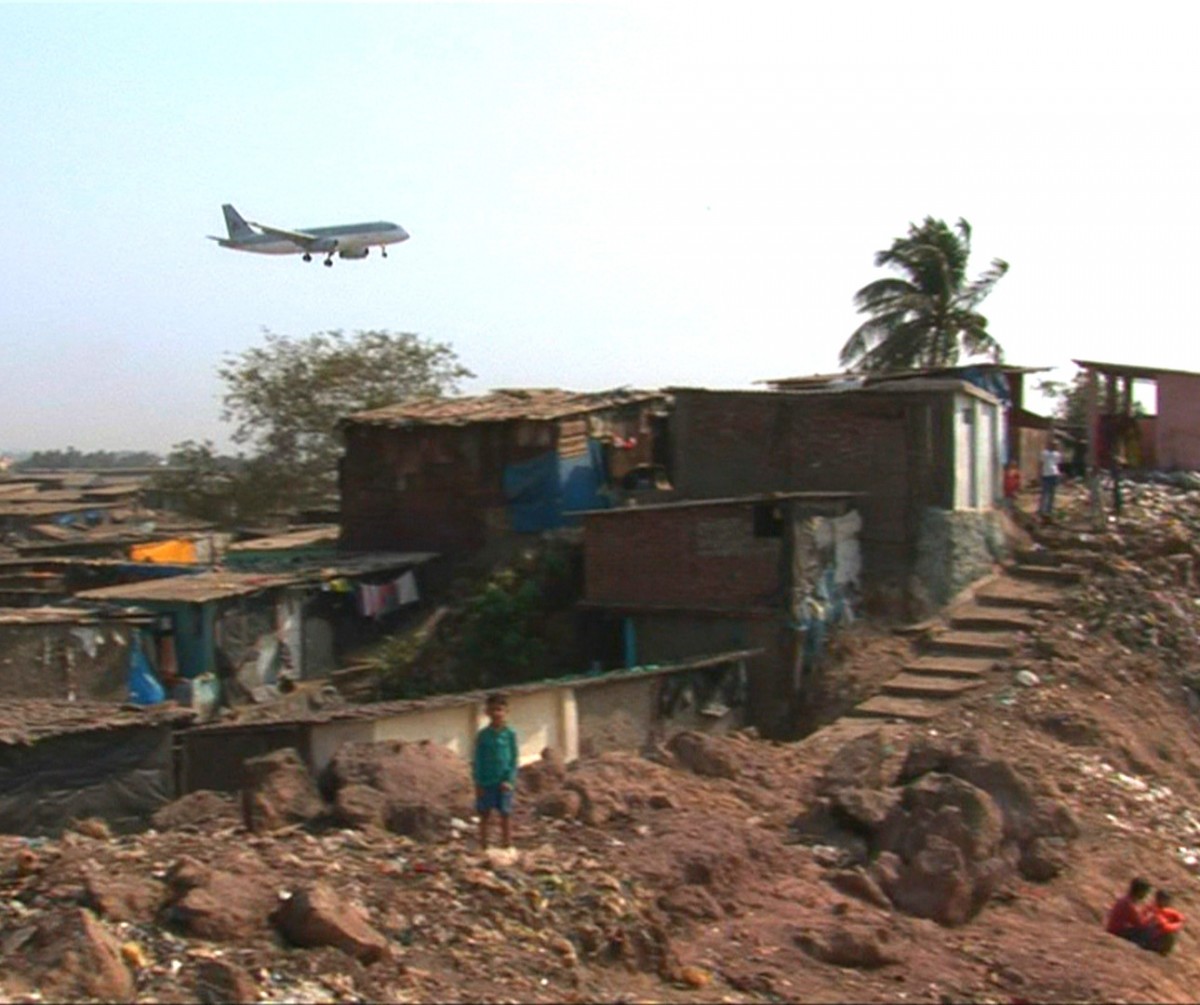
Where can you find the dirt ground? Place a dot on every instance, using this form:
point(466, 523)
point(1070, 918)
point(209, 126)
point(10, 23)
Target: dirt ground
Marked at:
point(681, 874)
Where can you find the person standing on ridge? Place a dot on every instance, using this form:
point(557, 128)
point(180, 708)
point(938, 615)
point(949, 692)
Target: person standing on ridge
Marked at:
point(494, 768)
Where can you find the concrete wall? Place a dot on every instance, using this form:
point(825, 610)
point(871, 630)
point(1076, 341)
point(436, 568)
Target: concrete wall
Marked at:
point(65, 661)
point(568, 718)
point(1177, 432)
point(955, 549)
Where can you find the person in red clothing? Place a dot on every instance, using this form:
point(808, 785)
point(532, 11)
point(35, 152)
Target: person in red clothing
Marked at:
point(1164, 926)
point(1012, 485)
point(1129, 918)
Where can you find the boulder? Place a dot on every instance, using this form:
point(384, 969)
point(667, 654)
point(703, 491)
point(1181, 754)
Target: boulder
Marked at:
point(421, 786)
point(850, 945)
point(133, 899)
point(1043, 858)
point(316, 916)
point(232, 903)
point(859, 884)
point(563, 804)
point(956, 810)
point(863, 810)
point(703, 755)
point(219, 982)
point(545, 775)
point(203, 808)
point(72, 955)
point(359, 806)
point(935, 884)
point(278, 791)
point(856, 765)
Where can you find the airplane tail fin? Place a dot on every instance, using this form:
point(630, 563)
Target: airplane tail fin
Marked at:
point(237, 227)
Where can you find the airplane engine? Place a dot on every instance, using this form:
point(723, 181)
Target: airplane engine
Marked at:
point(354, 252)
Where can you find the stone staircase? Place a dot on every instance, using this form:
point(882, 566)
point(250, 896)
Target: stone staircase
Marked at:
point(959, 654)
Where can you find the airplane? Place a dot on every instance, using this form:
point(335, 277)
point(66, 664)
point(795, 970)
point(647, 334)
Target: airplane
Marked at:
point(352, 240)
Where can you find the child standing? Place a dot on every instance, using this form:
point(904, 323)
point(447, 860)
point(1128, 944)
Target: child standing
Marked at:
point(1012, 485)
point(495, 770)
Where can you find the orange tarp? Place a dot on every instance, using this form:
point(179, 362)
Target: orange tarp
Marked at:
point(168, 552)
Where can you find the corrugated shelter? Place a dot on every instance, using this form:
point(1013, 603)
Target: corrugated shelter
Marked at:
point(452, 474)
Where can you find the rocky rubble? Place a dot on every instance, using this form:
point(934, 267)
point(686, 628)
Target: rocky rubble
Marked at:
point(942, 838)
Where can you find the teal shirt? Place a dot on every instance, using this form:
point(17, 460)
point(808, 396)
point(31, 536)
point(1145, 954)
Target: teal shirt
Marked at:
point(495, 756)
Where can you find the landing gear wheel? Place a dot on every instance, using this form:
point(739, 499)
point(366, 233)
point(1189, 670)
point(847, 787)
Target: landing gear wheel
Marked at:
point(307, 257)
point(329, 262)
point(383, 251)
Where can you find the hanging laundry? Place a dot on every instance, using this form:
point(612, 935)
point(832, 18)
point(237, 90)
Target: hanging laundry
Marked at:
point(406, 589)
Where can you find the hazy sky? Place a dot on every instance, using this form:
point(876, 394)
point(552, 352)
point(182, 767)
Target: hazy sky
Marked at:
point(598, 194)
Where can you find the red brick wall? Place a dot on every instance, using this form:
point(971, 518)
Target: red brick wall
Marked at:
point(729, 444)
point(707, 556)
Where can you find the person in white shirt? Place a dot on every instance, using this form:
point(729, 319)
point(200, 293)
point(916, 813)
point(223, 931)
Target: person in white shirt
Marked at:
point(1051, 462)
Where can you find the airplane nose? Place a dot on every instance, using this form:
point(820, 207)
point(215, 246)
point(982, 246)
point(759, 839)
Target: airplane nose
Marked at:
point(403, 233)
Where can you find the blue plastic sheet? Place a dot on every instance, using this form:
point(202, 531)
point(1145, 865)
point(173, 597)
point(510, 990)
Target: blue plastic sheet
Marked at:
point(144, 688)
point(542, 492)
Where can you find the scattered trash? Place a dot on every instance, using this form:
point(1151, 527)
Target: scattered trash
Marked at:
point(1027, 678)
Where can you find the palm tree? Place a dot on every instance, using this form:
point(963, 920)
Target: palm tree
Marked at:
point(928, 317)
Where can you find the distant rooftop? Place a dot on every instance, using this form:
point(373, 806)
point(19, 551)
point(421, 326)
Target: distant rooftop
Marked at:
point(852, 379)
point(505, 405)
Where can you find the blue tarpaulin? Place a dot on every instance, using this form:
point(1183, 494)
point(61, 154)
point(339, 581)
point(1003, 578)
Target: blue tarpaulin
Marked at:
point(531, 488)
point(541, 490)
point(144, 688)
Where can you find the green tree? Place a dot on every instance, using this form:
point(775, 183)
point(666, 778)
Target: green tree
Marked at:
point(286, 396)
point(927, 315)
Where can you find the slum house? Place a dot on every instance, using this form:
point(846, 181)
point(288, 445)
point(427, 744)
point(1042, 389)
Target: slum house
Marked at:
point(582, 715)
point(241, 633)
point(454, 474)
point(67, 653)
point(775, 572)
point(1167, 440)
point(926, 454)
point(38, 581)
point(70, 760)
point(1026, 432)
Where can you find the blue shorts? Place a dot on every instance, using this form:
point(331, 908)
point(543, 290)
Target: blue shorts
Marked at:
point(494, 798)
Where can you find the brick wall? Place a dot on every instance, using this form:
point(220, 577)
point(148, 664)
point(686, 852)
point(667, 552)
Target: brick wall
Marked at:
point(706, 556)
point(886, 446)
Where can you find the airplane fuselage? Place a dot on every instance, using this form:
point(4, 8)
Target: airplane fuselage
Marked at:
point(350, 237)
point(348, 240)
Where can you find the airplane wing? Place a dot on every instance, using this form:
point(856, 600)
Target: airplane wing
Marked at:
point(299, 237)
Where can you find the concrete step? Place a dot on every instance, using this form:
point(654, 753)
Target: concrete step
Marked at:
point(994, 644)
point(973, 617)
point(906, 709)
point(1037, 556)
point(1021, 594)
point(906, 685)
point(1064, 574)
point(949, 666)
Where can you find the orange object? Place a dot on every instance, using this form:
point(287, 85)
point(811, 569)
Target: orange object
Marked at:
point(1168, 920)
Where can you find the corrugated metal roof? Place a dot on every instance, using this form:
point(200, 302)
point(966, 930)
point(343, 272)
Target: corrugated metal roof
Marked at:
point(27, 720)
point(1133, 372)
point(325, 534)
point(60, 616)
point(825, 379)
point(506, 405)
point(200, 588)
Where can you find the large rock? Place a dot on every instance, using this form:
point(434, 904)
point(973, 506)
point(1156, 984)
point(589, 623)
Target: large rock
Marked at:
point(703, 755)
point(856, 765)
point(72, 955)
point(316, 916)
point(850, 945)
point(219, 982)
point(232, 903)
point(936, 884)
point(134, 899)
point(278, 791)
point(421, 786)
point(200, 809)
point(956, 810)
